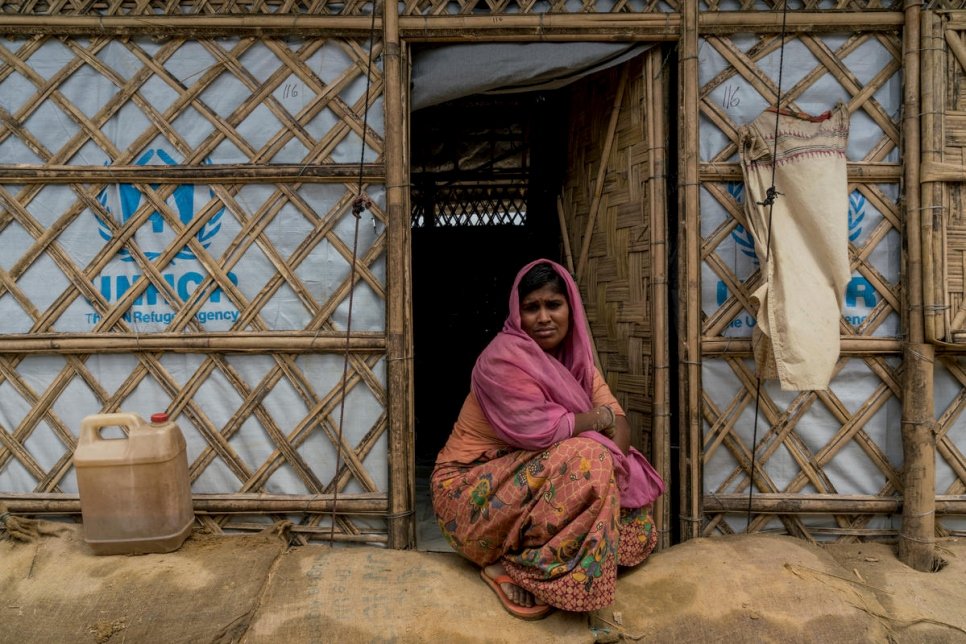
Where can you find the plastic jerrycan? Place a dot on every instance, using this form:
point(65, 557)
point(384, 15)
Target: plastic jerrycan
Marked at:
point(135, 494)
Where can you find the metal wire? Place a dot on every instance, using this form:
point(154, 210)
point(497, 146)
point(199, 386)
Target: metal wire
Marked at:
point(360, 203)
point(770, 195)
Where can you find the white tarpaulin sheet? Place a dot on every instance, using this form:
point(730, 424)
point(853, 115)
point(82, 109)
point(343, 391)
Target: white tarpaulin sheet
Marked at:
point(850, 471)
point(446, 73)
point(293, 219)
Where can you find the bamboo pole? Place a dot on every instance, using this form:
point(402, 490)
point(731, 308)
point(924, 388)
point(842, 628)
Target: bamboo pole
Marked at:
point(565, 234)
point(629, 27)
point(601, 174)
point(192, 173)
point(191, 26)
point(399, 358)
point(917, 537)
point(226, 342)
point(858, 172)
point(649, 27)
point(657, 210)
point(932, 170)
point(779, 503)
point(373, 504)
point(405, 86)
point(769, 22)
point(850, 345)
point(690, 268)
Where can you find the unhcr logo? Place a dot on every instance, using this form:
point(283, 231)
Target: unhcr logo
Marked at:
point(152, 239)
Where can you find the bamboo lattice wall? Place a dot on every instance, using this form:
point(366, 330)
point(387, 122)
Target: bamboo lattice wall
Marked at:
point(802, 436)
point(245, 151)
point(430, 7)
point(810, 444)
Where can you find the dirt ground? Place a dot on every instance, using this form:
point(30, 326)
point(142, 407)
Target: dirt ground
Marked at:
point(254, 588)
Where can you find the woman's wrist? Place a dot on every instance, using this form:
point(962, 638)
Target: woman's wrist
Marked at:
point(598, 419)
point(604, 420)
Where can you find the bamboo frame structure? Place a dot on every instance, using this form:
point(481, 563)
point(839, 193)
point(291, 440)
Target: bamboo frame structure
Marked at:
point(917, 537)
point(233, 342)
point(399, 333)
point(360, 504)
point(654, 84)
point(824, 504)
point(858, 345)
point(770, 22)
point(786, 506)
point(112, 334)
point(227, 174)
point(543, 27)
point(688, 239)
point(922, 292)
point(935, 312)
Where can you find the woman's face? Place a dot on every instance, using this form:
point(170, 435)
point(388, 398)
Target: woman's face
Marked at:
point(545, 317)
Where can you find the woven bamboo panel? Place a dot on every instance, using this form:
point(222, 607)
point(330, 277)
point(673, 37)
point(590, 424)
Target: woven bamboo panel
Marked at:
point(950, 397)
point(743, 72)
point(615, 283)
point(197, 258)
point(949, 138)
point(815, 444)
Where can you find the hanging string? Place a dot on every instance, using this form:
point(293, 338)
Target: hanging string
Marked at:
point(360, 203)
point(770, 195)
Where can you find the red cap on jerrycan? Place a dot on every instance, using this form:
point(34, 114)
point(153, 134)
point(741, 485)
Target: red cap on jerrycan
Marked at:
point(159, 417)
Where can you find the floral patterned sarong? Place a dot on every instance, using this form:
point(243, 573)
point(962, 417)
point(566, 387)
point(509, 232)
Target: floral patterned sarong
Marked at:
point(553, 518)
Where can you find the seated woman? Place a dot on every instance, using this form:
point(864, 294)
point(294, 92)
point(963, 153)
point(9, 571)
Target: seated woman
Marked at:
point(537, 483)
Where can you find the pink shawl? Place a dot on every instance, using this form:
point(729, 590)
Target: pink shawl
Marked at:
point(530, 397)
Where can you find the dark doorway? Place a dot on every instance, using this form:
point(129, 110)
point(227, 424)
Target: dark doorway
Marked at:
point(486, 172)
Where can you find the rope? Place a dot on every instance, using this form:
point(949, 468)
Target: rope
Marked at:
point(770, 195)
point(360, 203)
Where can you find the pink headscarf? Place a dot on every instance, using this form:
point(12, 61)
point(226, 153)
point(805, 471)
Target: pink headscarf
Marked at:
point(530, 397)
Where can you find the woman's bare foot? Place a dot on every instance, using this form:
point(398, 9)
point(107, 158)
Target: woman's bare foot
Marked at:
point(517, 595)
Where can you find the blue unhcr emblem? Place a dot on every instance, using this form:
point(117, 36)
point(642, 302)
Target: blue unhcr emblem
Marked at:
point(741, 236)
point(856, 214)
point(182, 200)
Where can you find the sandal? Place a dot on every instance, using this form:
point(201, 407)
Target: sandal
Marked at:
point(523, 612)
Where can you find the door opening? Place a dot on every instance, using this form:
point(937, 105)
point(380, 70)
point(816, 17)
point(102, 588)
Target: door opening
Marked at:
point(486, 173)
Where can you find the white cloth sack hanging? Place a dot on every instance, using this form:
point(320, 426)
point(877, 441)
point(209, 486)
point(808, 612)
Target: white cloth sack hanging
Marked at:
point(798, 308)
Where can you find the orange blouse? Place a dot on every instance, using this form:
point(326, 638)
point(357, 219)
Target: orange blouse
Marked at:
point(473, 436)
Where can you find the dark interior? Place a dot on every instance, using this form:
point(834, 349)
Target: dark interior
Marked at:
point(486, 172)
